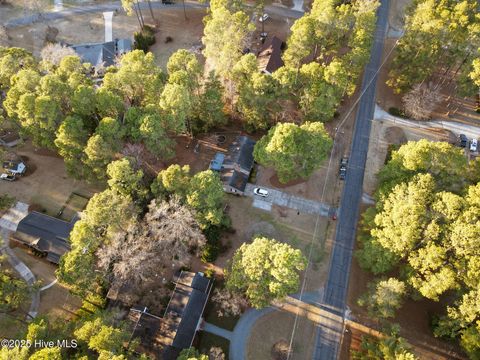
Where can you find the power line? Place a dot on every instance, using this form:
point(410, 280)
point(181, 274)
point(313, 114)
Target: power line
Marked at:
point(302, 290)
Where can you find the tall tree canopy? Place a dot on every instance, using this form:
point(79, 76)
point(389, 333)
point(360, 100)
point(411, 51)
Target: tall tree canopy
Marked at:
point(203, 192)
point(425, 225)
point(317, 72)
point(225, 37)
point(137, 79)
point(438, 35)
point(294, 151)
point(265, 270)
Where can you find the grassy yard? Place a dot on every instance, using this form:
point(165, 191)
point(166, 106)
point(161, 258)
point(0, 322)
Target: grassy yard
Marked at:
point(75, 203)
point(206, 340)
point(211, 313)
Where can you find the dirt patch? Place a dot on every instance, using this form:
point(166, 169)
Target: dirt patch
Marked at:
point(46, 185)
point(281, 350)
point(184, 33)
point(395, 135)
point(263, 228)
point(276, 182)
point(396, 16)
point(274, 331)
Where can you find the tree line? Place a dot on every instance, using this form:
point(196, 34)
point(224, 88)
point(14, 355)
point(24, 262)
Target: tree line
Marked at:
point(440, 47)
point(326, 52)
point(59, 107)
point(424, 229)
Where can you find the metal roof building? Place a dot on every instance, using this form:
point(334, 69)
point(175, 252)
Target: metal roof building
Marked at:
point(46, 234)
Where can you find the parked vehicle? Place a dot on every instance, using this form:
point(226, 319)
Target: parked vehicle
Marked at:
point(8, 177)
point(264, 17)
point(473, 145)
point(260, 192)
point(15, 167)
point(343, 168)
point(463, 140)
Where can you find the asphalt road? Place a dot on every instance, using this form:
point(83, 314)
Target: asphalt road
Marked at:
point(330, 330)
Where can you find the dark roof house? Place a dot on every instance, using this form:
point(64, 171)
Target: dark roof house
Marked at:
point(44, 233)
point(270, 57)
point(102, 54)
point(166, 337)
point(236, 165)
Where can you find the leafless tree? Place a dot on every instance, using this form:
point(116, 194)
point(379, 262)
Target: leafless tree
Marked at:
point(167, 237)
point(54, 53)
point(420, 102)
point(216, 353)
point(229, 303)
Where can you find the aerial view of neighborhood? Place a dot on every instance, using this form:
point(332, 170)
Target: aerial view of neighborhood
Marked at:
point(239, 179)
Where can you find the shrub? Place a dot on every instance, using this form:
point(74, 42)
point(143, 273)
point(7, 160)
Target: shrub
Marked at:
point(144, 38)
point(212, 248)
point(397, 112)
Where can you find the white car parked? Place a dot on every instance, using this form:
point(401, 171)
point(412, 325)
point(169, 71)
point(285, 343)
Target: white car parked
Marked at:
point(264, 17)
point(7, 177)
point(473, 145)
point(260, 192)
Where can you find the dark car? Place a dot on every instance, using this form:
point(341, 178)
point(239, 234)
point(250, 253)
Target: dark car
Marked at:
point(343, 168)
point(463, 140)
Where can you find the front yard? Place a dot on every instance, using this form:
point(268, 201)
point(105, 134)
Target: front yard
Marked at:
point(46, 185)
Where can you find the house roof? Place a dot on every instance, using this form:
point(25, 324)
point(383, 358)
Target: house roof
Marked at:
point(270, 57)
point(240, 153)
point(176, 330)
point(187, 303)
point(52, 234)
point(236, 179)
point(99, 54)
point(190, 318)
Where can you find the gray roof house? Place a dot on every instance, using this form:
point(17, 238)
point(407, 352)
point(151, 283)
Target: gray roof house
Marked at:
point(45, 234)
point(166, 337)
point(102, 54)
point(236, 165)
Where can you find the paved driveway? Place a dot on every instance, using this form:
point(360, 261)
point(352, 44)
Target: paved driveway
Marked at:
point(12, 217)
point(280, 198)
point(470, 130)
point(8, 224)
